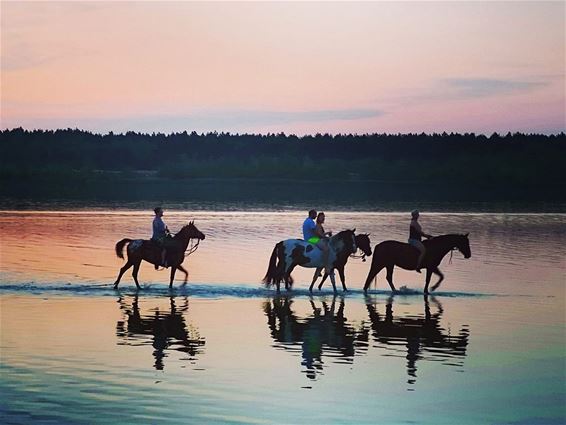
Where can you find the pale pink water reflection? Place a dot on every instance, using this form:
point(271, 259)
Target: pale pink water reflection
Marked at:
point(511, 253)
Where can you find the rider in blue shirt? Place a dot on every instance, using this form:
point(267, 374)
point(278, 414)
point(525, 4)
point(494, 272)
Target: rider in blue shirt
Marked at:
point(309, 228)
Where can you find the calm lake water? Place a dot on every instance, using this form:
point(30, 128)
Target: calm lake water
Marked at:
point(489, 347)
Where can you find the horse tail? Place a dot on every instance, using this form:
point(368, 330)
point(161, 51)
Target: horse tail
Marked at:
point(375, 268)
point(120, 247)
point(272, 275)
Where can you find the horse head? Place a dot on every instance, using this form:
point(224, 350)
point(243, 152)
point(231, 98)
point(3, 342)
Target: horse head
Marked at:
point(190, 231)
point(348, 238)
point(463, 245)
point(363, 243)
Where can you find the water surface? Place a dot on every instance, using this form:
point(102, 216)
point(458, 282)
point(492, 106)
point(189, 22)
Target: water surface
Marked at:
point(488, 347)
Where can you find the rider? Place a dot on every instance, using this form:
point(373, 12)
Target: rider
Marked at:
point(160, 235)
point(309, 227)
point(322, 236)
point(415, 234)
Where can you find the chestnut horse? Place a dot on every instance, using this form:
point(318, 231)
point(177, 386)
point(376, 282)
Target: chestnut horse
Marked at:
point(389, 254)
point(148, 250)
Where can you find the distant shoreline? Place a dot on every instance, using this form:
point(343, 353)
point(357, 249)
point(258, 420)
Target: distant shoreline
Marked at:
point(349, 172)
point(270, 194)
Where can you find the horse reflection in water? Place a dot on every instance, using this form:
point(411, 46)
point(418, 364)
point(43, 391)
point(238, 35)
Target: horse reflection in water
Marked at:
point(422, 338)
point(163, 330)
point(325, 330)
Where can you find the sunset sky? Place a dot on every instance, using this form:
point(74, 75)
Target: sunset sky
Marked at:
point(293, 67)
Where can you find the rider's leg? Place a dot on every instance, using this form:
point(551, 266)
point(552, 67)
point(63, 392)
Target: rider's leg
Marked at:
point(323, 245)
point(163, 259)
point(421, 249)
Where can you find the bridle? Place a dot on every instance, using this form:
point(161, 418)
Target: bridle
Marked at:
point(193, 246)
point(363, 256)
point(353, 254)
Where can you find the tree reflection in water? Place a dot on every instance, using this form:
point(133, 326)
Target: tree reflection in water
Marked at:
point(325, 333)
point(163, 330)
point(420, 337)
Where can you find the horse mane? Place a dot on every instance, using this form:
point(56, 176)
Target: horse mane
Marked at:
point(446, 236)
point(184, 229)
point(180, 232)
point(443, 238)
point(340, 235)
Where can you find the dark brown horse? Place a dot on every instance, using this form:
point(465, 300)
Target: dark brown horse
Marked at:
point(389, 254)
point(149, 251)
point(363, 244)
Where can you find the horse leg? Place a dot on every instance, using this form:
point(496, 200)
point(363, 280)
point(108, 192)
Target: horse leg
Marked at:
point(315, 277)
point(439, 273)
point(373, 271)
point(342, 278)
point(322, 281)
point(333, 280)
point(288, 280)
point(122, 271)
point(173, 270)
point(427, 281)
point(135, 273)
point(390, 276)
point(186, 274)
point(287, 276)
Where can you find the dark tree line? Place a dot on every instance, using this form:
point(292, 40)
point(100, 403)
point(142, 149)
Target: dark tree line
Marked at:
point(506, 159)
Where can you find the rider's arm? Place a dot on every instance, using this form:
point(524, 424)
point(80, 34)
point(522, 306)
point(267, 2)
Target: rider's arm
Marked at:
point(319, 231)
point(419, 230)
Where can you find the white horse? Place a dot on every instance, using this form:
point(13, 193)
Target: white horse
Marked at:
point(296, 252)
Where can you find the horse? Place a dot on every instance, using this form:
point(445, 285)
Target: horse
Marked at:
point(363, 243)
point(389, 254)
point(149, 251)
point(290, 253)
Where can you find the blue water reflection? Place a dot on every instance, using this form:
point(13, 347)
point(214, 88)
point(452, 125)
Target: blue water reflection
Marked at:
point(163, 330)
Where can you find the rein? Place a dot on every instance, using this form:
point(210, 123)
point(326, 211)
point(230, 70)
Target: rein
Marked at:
point(363, 256)
point(193, 247)
point(451, 252)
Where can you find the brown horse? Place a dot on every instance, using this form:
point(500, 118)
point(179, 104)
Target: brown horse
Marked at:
point(389, 254)
point(149, 251)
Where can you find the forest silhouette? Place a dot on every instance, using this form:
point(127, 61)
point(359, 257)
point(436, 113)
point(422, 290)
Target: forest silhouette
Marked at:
point(505, 160)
